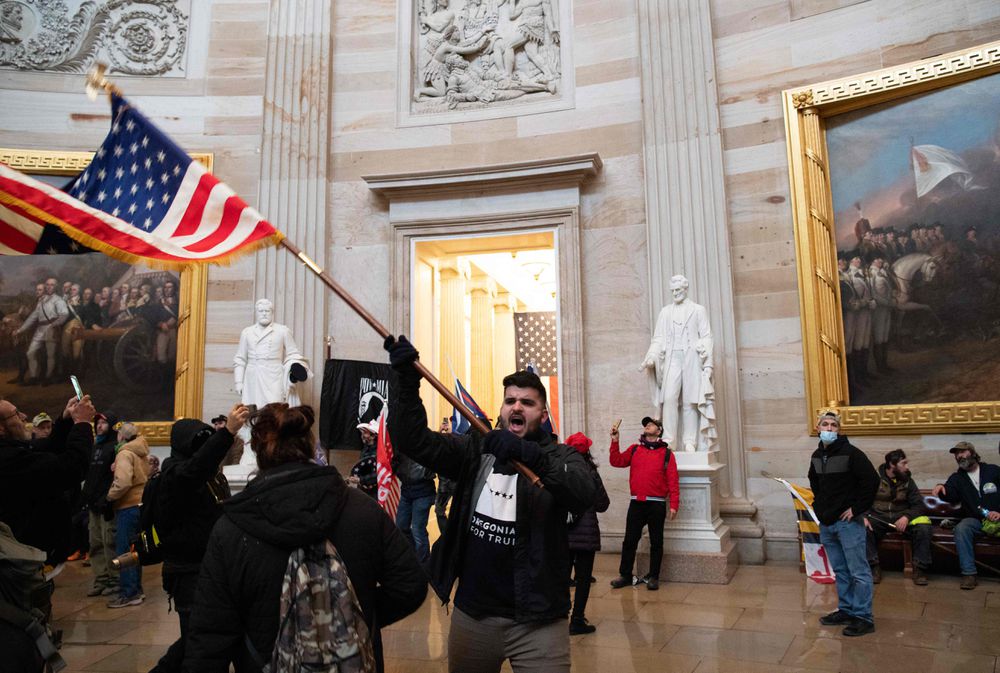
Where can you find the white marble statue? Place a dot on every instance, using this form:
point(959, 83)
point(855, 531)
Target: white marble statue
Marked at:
point(476, 53)
point(263, 364)
point(680, 359)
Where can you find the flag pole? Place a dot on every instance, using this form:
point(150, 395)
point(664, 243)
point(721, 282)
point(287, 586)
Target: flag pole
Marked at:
point(98, 82)
point(373, 322)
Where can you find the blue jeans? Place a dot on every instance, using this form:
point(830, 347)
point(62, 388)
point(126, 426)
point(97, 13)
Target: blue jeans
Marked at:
point(967, 530)
point(411, 518)
point(127, 524)
point(844, 542)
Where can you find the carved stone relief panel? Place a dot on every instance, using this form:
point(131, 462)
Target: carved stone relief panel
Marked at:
point(134, 37)
point(469, 59)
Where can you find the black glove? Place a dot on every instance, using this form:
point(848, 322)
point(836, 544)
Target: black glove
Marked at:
point(402, 354)
point(297, 373)
point(507, 446)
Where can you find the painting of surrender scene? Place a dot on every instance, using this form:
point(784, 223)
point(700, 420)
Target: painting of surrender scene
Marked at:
point(916, 195)
point(111, 324)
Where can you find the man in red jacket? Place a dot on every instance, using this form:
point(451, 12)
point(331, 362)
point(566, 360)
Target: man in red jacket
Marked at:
point(652, 479)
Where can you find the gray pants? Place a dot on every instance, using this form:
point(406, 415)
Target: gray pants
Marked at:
point(482, 645)
point(102, 550)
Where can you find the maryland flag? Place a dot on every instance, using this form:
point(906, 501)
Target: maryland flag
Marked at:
point(817, 565)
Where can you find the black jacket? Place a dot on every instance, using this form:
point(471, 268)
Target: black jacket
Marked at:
point(285, 508)
point(541, 549)
point(959, 489)
point(585, 532)
point(33, 484)
point(99, 474)
point(190, 496)
point(841, 476)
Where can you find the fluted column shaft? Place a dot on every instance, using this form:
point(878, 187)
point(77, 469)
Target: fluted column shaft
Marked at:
point(294, 158)
point(482, 330)
point(452, 325)
point(685, 195)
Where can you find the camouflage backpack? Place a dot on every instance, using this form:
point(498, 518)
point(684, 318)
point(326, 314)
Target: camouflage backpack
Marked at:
point(322, 627)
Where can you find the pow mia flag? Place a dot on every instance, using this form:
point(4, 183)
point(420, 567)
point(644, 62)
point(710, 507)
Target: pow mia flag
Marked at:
point(354, 392)
point(536, 338)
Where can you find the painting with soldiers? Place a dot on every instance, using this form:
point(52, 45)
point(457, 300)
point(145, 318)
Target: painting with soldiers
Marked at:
point(916, 197)
point(111, 324)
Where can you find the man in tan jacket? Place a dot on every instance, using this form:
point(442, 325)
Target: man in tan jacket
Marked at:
point(131, 470)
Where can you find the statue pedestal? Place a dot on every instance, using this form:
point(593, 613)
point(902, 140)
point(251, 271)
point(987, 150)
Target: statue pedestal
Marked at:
point(238, 475)
point(696, 545)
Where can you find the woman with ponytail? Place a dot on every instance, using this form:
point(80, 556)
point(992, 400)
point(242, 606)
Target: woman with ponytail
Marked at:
point(293, 503)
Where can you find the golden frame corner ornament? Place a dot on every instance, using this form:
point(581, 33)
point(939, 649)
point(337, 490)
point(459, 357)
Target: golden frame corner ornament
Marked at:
point(189, 382)
point(806, 109)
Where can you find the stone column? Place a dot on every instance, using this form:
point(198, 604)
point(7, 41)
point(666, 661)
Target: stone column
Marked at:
point(483, 387)
point(689, 234)
point(453, 281)
point(504, 358)
point(293, 176)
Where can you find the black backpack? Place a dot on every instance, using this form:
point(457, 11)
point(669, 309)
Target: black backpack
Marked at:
point(147, 543)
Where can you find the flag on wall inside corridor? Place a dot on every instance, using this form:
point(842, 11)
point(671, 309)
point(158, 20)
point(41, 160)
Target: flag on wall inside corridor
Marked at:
point(388, 483)
point(818, 567)
point(536, 340)
point(141, 199)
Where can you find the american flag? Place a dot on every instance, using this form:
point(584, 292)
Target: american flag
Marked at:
point(159, 206)
point(388, 483)
point(536, 337)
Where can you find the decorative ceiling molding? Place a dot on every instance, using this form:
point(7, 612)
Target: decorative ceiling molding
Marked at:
point(135, 37)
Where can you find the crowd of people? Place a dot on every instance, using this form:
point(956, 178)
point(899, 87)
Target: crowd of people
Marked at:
point(47, 332)
point(508, 555)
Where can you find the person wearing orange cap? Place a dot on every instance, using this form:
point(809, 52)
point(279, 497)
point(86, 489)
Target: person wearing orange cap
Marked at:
point(585, 539)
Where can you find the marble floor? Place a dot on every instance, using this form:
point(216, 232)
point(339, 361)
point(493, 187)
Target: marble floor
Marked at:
point(764, 620)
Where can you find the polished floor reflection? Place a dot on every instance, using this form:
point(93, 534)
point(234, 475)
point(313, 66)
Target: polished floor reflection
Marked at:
point(764, 620)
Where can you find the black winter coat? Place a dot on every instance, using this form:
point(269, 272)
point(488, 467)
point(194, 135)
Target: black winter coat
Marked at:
point(99, 474)
point(189, 501)
point(585, 531)
point(33, 485)
point(841, 476)
point(542, 559)
point(282, 509)
point(960, 489)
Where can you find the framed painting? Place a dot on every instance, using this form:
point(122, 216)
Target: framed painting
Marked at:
point(895, 185)
point(133, 335)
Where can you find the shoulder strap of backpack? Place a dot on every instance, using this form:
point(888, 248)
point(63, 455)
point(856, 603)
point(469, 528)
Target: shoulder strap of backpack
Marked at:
point(27, 622)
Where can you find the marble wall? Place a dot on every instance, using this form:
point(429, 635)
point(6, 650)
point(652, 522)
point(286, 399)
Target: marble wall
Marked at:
point(763, 47)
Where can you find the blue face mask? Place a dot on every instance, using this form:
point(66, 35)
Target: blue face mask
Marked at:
point(828, 436)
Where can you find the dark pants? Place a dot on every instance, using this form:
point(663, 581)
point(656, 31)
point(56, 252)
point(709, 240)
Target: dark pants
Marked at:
point(181, 588)
point(919, 536)
point(649, 513)
point(583, 568)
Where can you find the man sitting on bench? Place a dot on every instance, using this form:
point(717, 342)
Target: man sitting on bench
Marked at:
point(974, 485)
point(897, 503)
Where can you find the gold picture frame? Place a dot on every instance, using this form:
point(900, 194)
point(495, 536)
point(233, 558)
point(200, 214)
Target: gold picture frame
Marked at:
point(806, 111)
point(192, 298)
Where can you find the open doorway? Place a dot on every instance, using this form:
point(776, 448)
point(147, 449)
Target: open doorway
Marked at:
point(483, 306)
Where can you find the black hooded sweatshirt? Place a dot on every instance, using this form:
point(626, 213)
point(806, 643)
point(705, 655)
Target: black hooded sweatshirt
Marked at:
point(99, 474)
point(191, 492)
point(285, 508)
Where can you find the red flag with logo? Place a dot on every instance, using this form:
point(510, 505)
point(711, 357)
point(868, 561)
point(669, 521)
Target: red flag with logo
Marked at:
point(388, 483)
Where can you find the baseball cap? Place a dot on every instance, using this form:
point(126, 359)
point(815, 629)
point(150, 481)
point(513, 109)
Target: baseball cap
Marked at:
point(371, 426)
point(221, 418)
point(649, 419)
point(41, 418)
point(962, 446)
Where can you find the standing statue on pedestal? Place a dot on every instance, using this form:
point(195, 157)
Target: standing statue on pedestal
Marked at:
point(267, 366)
point(680, 357)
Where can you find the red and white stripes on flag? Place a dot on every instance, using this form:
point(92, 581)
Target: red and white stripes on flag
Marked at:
point(388, 483)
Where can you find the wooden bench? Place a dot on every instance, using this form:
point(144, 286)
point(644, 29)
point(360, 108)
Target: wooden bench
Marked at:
point(987, 547)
